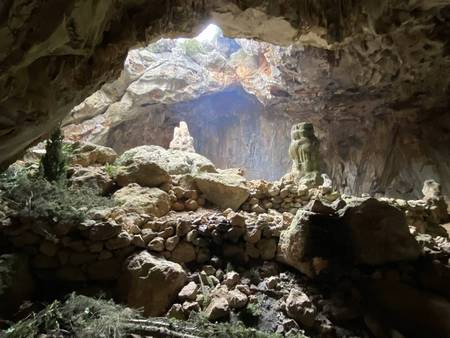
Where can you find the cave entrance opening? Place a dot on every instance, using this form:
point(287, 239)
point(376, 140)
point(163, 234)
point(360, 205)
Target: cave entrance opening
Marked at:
point(230, 92)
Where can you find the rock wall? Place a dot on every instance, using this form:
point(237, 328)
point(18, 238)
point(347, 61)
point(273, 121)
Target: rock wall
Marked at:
point(387, 154)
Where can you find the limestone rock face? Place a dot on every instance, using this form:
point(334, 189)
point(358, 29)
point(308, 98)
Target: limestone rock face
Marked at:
point(152, 165)
point(151, 283)
point(378, 232)
point(152, 201)
point(222, 189)
point(88, 154)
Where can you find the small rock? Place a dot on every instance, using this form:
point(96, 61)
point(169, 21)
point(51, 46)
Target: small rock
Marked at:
point(300, 308)
point(217, 309)
point(189, 292)
point(191, 306)
point(236, 220)
point(231, 279)
point(156, 244)
point(80, 258)
point(191, 205)
point(184, 253)
point(245, 289)
point(121, 241)
point(138, 241)
point(172, 242)
point(272, 282)
point(176, 312)
point(178, 206)
point(237, 299)
point(267, 248)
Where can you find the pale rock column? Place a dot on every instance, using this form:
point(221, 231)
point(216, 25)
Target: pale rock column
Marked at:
point(182, 140)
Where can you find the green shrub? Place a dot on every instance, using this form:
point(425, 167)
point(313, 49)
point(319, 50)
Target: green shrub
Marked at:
point(191, 47)
point(111, 170)
point(53, 163)
point(226, 330)
point(81, 316)
point(36, 197)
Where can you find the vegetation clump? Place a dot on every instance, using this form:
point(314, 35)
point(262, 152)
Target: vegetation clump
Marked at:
point(111, 170)
point(77, 316)
point(53, 163)
point(191, 47)
point(80, 316)
point(31, 195)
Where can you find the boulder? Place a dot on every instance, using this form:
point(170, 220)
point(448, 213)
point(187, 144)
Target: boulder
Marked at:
point(311, 235)
point(152, 201)
point(100, 231)
point(151, 283)
point(300, 308)
point(378, 232)
point(95, 178)
point(223, 190)
point(217, 309)
point(189, 292)
point(365, 231)
point(88, 154)
point(267, 248)
point(237, 299)
point(152, 165)
point(184, 252)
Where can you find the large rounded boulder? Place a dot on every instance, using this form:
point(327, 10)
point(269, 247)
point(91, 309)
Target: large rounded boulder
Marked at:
point(151, 283)
point(225, 190)
point(378, 232)
point(364, 231)
point(152, 201)
point(152, 166)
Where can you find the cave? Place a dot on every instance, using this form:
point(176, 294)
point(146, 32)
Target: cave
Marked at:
point(267, 168)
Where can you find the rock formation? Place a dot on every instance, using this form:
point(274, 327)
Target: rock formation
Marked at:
point(182, 140)
point(169, 231)
point(304, 149)
point(236, 111)
point(175, 247)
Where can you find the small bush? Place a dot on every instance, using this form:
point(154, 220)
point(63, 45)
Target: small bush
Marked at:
point(78, 316)
point(111, 170)
point(53, 163)
point(33, 196)
point(191, 47)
